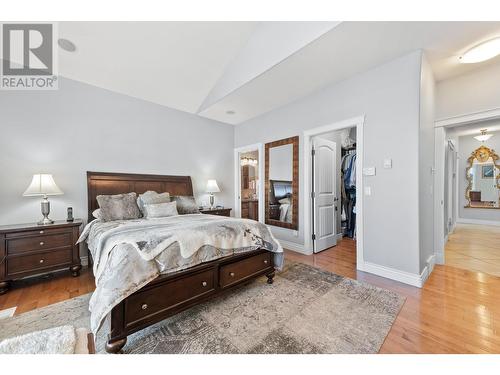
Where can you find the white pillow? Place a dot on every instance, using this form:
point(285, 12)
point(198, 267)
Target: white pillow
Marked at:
point(151, 197)
point(160, 210)
point(97, 214)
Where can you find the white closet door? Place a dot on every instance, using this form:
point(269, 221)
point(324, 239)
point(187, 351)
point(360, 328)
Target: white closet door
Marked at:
point(324, 196)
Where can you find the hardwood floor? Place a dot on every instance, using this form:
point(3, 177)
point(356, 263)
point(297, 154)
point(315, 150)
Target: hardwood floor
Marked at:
point(475, 248)
point(457, 311)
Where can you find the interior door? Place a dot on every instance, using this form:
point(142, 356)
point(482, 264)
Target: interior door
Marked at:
point(324, 194)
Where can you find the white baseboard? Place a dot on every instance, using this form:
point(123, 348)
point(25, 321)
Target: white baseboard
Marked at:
point(394, 274)
point(478, 222)
point(295, 247)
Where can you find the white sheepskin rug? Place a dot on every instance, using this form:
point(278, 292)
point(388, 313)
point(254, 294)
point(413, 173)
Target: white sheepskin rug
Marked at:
point(58, 340)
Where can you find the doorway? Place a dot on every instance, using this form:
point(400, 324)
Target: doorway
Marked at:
point(468, 194)
point(332, 162)
point(249, 169)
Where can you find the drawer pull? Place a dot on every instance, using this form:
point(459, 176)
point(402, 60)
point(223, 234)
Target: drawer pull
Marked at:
point(41, 232)
point(204, 284)
point(231, 274)
point(265, 262)
point(41, 260)
point(42, 243)
point(144, 306)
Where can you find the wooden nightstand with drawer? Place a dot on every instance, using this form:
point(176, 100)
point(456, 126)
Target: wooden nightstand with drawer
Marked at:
point(217, 211)
point(31, 249)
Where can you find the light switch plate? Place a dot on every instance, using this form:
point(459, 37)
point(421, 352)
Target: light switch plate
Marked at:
point(369, 171)
point(387, 163)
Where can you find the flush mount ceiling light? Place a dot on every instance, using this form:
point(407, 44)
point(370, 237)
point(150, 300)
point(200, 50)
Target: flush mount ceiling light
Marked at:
point(481, 52)
point(230, 112)
point(66, 45)
point(483, 137)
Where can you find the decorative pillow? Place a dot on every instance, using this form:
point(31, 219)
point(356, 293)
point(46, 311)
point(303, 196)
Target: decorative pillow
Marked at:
point(118, 207)
point(97, 214)
point(186, 205)
point(160, 210)
point(151, 197)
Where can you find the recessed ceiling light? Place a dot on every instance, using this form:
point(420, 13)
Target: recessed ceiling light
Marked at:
point(481, 52)
point(66, 45)
point(230, 112)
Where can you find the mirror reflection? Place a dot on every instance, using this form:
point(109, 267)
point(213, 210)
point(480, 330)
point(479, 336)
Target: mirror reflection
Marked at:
point(483, 174)
point(282, 183)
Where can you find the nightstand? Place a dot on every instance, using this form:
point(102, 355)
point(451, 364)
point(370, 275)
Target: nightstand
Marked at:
point(31, 249)
point(217, 211)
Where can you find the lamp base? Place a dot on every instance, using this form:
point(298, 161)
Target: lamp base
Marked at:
point(45, 205)
point(212, 200)
point(45, 221)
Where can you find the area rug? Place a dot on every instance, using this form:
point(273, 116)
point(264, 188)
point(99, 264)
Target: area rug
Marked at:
point(306, 310)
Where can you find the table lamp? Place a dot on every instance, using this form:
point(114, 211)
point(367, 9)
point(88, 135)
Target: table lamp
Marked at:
point(212, 188)
point(43, 185)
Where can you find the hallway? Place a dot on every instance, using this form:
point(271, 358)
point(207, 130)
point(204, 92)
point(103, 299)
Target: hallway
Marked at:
point(475, 248)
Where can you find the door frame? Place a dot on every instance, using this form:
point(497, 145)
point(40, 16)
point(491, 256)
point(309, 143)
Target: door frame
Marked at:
point(259, 147)
point(358, 123)
point(440, 149)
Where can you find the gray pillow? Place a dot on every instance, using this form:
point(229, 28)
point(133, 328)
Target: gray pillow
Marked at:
point(160, 210)
point(186, 204)
point(118, 207)
point(151, 197)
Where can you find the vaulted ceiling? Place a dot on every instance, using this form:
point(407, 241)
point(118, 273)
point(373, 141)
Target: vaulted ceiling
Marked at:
point(234, 71)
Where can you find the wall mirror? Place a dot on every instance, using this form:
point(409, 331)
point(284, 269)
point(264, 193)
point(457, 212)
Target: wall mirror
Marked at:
point(483, 177)
point(282, 183)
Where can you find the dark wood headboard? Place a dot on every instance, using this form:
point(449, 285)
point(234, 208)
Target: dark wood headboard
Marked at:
point(101, 183)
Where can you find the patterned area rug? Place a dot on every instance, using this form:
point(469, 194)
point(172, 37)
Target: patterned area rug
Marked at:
point(306, 310)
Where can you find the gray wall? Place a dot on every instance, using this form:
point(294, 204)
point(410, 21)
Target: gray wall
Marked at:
point(81, 128)
point(389, 97)
point(467, 144)
point(426, 163)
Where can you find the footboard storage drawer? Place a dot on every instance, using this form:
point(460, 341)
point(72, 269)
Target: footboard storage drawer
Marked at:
point(149, 304)
point(235, 272)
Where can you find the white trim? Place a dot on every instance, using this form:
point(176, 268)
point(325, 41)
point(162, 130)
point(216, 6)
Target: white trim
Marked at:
point(299, 248)
point(394, 274)
point(439, 258)
point(478, 222)
point(469, 118)
point(259, 147)
point(357, 122)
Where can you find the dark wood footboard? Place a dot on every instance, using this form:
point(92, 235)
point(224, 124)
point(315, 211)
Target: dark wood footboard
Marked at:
point(169, 294)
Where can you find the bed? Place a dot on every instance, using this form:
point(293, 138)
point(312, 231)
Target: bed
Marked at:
point(169, 293)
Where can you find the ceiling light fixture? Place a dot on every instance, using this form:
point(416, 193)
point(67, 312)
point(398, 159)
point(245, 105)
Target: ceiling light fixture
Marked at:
point(66, 45)
point(230, 112)
point(483, 137)
point(482, 52)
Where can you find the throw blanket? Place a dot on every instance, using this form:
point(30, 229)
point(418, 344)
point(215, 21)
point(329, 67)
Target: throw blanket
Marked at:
point(128, 254)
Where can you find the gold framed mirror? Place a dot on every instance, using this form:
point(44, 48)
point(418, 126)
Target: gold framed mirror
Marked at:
point(483, 179)
point(282, 183)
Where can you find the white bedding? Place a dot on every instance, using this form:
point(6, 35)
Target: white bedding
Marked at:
point(128, 254)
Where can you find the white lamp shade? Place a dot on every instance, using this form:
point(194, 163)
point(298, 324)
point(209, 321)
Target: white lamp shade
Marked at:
point(212, 187)
point(42, 184)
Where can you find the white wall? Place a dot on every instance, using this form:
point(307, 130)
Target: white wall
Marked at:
point(467, 144)
point(469, 93)
point(81, 128)
point(389, 97)
point(426, 163)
